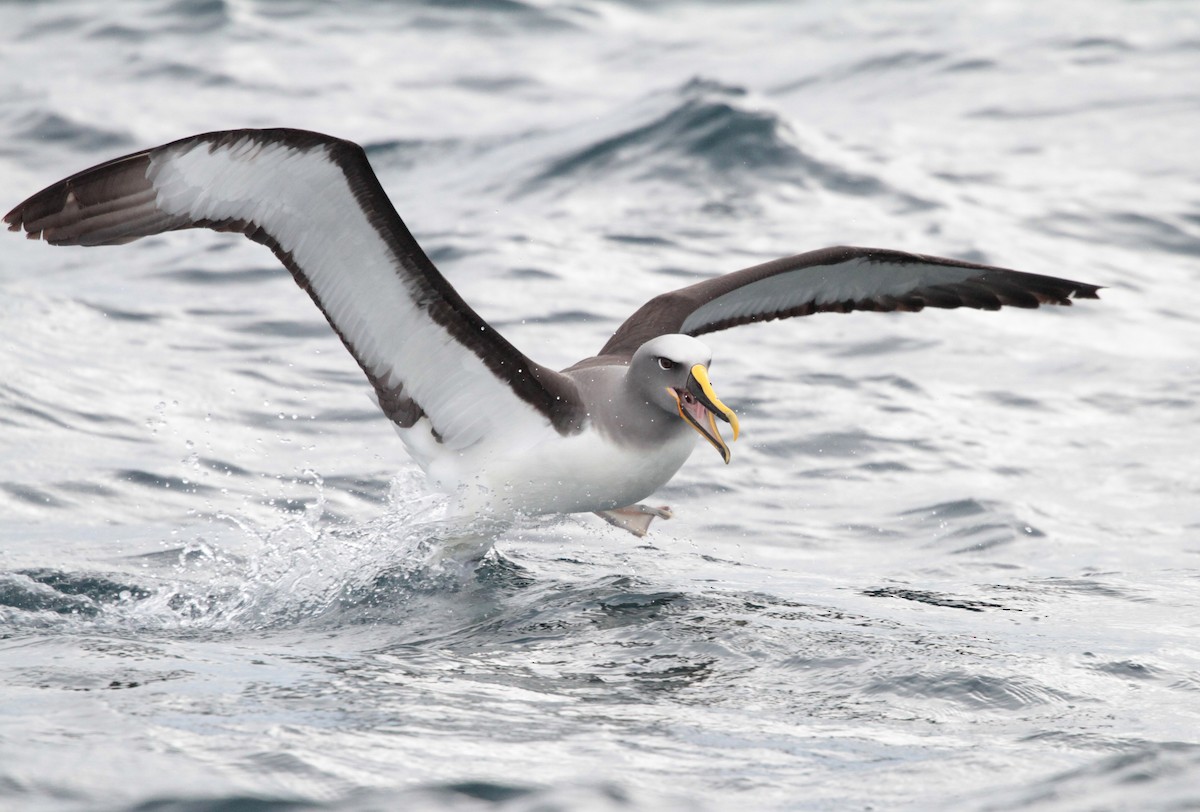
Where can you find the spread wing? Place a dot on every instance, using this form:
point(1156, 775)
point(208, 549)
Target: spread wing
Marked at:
point(837, 280)
point(316, 203)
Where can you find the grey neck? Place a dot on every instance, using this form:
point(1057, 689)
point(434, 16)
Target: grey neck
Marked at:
point(618, 407)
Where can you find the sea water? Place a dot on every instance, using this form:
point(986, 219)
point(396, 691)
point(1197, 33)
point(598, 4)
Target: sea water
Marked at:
point(954, 563)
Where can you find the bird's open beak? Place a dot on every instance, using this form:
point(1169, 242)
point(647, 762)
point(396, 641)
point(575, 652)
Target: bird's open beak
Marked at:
point(700, 406)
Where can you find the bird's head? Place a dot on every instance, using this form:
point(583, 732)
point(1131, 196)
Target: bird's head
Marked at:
point(672, 371)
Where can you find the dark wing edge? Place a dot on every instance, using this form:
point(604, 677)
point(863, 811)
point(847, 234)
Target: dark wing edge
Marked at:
point(551, 393)
point(114, 203)
point(840, 279)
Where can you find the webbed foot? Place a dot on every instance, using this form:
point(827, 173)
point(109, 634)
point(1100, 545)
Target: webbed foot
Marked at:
point(634, 518)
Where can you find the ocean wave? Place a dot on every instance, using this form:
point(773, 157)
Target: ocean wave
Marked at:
point(701, 132)
point(59, 129)
point(1142, 776)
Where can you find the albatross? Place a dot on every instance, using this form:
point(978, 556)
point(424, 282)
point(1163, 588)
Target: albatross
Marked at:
point(486, 423)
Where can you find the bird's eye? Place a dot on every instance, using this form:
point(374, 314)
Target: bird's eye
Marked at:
point(666, 363)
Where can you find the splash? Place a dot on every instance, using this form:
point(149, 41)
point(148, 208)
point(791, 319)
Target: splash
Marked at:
point(233, 575)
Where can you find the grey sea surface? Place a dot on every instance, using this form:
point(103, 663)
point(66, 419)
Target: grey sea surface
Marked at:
point(954, 564)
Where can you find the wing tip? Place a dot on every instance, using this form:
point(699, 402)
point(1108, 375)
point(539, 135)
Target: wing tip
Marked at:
point(1076, 290)
point(15, 220)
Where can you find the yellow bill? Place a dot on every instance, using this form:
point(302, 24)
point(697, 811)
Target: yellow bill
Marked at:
point(700, 407)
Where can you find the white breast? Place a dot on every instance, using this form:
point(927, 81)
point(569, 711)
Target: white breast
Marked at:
point(545, 472)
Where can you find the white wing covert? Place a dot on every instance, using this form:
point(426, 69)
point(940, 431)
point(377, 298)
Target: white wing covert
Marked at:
point(315, 201)
point(839, 280)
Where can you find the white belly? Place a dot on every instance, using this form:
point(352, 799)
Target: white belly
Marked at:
point(549, 473)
